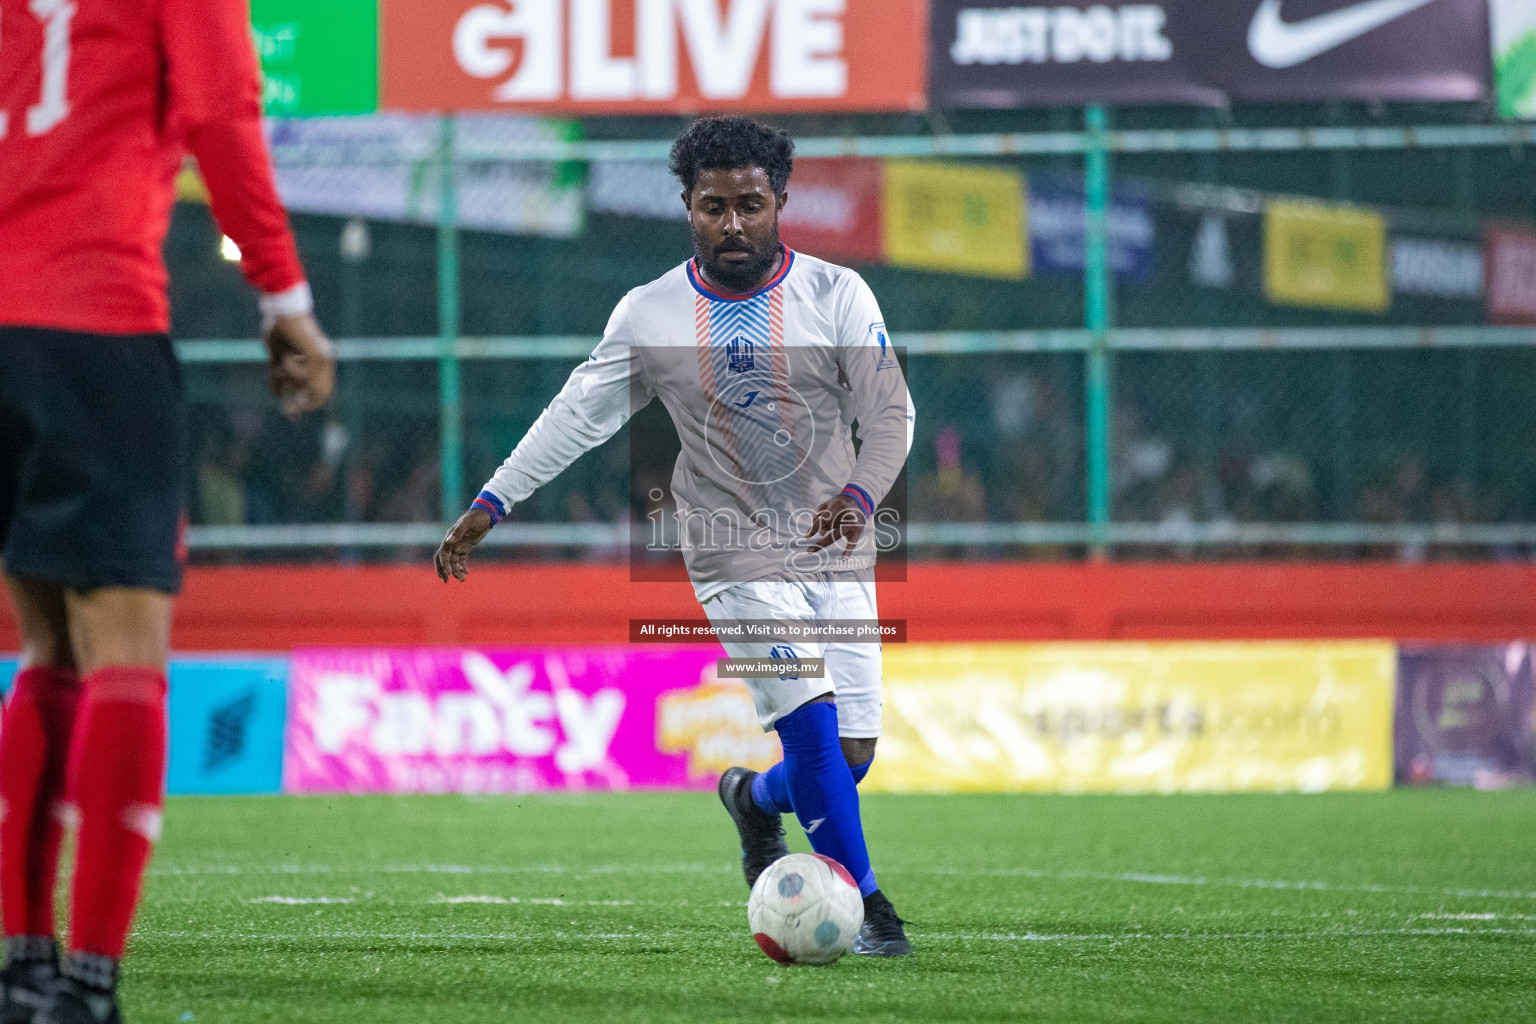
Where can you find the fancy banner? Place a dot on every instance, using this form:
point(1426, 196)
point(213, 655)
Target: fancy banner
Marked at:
point(516, 720)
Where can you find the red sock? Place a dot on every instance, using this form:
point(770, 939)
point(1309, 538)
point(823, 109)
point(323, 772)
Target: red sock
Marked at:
point(34, 749)
point(117, 786)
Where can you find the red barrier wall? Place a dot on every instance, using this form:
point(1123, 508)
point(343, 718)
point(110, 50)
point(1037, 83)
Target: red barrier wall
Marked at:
point(274, 609)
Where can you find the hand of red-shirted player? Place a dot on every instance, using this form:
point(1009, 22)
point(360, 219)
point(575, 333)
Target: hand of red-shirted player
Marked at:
point(838, 518)
point(302, 364)
point(452, 558)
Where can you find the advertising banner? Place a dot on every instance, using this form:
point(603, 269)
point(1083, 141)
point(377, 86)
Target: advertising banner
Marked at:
point(961, 218)
point(1437, 267)
point(636, 188)
point(318, 58)
point(1327, 257)
point(516, 720)
point(1466, 716)
point(226, 725)
point(834, 210)
point(1058, 229)
point(653, 56)
point(1003, 53)
point(511, 198)
point(1514, 57)
point(1510, 255)
point(1136, 717)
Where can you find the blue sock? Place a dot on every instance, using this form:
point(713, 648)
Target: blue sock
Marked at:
point(822, 789)
point(770, 789)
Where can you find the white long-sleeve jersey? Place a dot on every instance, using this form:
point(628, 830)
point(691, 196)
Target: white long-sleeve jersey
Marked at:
point(763, 390)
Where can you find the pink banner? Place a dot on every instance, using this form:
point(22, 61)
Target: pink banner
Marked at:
point(515, 720)
point(1511, 270)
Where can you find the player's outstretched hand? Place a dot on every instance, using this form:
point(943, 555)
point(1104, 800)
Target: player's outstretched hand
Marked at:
point(452, 558)
point(838, 518)
point(302, 363)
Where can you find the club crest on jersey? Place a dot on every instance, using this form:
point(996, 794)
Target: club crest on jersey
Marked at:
point(887, 355)
point(738, 354)
point(784, 652)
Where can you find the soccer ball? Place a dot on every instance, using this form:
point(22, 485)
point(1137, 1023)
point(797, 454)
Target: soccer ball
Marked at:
point(805, 909)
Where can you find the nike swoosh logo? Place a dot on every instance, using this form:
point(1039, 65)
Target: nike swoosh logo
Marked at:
point(1277, 44)
point(750, 395)
point(813, 826)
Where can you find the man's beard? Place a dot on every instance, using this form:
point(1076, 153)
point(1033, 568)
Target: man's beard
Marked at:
point(743, 276)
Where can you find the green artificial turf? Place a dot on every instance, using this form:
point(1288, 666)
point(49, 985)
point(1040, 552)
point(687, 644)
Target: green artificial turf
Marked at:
point(1402, 906)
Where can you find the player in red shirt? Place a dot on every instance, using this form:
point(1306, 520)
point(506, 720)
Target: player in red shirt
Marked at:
point(99, 100)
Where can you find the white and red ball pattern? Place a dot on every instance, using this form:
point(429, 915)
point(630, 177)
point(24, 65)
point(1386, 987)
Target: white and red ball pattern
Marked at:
point(805, 909)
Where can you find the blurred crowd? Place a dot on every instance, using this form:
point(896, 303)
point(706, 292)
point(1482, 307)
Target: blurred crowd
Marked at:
point(1015, 456)
point(254, 467)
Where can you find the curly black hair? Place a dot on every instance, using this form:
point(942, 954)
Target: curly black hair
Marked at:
point(730, 142)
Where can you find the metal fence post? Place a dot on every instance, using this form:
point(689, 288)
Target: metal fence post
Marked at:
point(1096, 292)
point(449, 390)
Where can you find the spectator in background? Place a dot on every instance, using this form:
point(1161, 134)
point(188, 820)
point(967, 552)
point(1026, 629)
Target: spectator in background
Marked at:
point(360, 479)
point(1035, 470)
point(1140, 462)
point(950, 494)
point(220, 484)
point(417, 499)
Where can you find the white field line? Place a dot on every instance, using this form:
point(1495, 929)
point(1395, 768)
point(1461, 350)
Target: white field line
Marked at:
point(1131, 877)
point(1142, 878)
point(999, 937)
point(190, 870)
point(549, 902)
point(1343, 933)
point(441, 899)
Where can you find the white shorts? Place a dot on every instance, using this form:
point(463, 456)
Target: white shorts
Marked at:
point(853, 669)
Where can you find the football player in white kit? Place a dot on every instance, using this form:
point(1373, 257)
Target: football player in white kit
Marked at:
point(764, 358)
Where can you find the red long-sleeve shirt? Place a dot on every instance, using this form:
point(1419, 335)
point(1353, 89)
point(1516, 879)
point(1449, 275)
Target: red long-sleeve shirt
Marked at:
point(99, 100)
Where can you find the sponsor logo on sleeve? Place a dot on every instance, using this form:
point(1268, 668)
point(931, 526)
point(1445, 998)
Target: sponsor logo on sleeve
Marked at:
point(885, 358)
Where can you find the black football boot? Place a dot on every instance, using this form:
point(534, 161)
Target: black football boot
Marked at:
point(882, 933)
point(85, 992)
point(31, 967)
point(762, 834)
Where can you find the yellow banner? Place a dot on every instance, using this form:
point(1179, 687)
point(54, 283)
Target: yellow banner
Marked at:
point(1136, 717)
point(1331, 257)
point(956, 218)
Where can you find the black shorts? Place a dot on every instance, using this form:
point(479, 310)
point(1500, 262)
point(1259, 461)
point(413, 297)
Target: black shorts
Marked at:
point(92, 485)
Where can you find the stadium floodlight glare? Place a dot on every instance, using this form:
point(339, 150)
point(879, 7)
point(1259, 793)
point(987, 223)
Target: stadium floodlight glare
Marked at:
point(229, 250)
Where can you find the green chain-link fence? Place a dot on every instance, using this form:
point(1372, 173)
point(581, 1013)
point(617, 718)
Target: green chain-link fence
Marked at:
point(1235, 423)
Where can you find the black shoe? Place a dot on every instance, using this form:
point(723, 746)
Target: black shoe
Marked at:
point(762, 834)
point(85, 993)
point(74, 1003)
point(882, 933)
point(32, 967)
